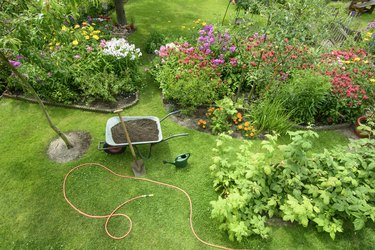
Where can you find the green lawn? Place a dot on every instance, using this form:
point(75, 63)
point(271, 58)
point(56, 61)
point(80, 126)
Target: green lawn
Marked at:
point(36, 216)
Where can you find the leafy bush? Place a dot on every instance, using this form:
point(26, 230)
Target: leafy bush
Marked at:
point(154, 42)
point(324, 189)
point(198, 74)
point(304, 95)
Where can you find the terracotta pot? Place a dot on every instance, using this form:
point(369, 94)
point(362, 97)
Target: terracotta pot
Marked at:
point(362, 120)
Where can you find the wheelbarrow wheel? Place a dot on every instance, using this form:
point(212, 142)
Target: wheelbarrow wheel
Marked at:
point(113, 150)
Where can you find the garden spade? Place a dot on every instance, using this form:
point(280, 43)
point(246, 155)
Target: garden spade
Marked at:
point(138, 166)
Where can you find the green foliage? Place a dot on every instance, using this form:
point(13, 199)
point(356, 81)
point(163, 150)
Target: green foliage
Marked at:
point(221, 117)
point(304, 94)
point(154, 41)
point(325, 189)
point(75, 67)
point(300, 20)
point(270, 115)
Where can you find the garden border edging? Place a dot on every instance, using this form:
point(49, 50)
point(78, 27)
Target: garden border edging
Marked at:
point(72, 106)
point(324, 127)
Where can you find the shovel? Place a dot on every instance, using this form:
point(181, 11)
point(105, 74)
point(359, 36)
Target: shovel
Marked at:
point(138, 166)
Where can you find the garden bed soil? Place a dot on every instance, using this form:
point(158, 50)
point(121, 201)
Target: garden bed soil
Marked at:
point(190, 121)
point(58, 151)
point(141, 130)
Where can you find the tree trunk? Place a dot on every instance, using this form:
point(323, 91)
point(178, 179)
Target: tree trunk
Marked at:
point(120, 12)
point(27, 85)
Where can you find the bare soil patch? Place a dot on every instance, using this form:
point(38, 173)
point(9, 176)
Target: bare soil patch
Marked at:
point(58, 151)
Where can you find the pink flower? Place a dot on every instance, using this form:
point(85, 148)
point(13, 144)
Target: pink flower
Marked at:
point(102, 43)
point(15, 64)
point(89, 49)
point(77, 56)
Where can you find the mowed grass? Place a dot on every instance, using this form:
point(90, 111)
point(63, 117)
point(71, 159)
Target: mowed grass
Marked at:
point(34, 214)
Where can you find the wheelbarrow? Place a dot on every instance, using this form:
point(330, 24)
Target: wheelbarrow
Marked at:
point(111, 146)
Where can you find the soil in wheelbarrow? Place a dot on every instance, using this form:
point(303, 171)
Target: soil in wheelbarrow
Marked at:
point(141, 130)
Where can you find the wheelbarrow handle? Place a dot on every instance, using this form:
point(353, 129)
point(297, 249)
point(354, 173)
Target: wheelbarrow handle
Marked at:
point(176, 135)
point(172, 113)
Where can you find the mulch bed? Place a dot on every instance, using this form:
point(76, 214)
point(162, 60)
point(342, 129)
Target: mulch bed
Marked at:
point(141, 130)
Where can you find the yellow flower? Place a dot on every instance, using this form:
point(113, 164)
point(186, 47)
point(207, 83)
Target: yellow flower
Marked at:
point(84, 23)
point(64, 28)
point(347, 62)
point(251, 134)
point(240, 127)
point(96, 37)
point(51, 48)
point(365, 61)
point(76, 26)
point(84, 33)
point(366, 39)
point(368, 34)
point(372, 80)
point(204, 24)
point(96, 31)
point(356, 59)
point(87, 37)
point(75, 42)
point(91, 28)
point(183, 27)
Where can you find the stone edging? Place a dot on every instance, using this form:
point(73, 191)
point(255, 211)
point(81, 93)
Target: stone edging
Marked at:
point(80, 107)
point(325, 127)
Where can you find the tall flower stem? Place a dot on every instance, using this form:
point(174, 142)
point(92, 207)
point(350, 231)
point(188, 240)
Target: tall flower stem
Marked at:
point(225, 14)
point(28, 86)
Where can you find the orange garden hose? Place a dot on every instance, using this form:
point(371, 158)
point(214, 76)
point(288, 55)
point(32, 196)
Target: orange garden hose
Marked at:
point(113, 213)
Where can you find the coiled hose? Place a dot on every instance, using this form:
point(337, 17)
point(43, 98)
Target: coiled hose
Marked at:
point(113, 213)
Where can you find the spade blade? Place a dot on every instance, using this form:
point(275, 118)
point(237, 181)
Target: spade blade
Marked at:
point(138, 168)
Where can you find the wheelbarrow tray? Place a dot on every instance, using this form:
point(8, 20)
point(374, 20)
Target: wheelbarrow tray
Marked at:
point(113, 121)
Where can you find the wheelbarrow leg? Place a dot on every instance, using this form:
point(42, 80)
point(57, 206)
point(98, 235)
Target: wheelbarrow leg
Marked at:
point(148, 153)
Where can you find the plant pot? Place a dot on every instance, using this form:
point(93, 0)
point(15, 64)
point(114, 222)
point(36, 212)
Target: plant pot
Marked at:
point(361, 133)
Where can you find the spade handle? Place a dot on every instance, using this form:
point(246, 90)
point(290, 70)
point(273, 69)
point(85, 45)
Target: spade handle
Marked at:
point(118, 112)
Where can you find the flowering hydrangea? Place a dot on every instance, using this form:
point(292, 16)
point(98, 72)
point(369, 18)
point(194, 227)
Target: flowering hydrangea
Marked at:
point(120, 48)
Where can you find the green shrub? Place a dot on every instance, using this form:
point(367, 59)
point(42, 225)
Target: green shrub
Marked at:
point(304, 94)
point(154, 42)
point(325, 189)
point(220, 118)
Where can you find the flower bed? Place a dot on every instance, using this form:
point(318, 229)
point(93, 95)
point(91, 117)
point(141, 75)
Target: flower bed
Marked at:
point(81, 64)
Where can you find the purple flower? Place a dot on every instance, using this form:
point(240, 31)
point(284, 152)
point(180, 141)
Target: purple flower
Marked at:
point(15, 64)
point(232, 48)
point(217, 61)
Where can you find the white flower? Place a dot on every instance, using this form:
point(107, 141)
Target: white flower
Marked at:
point(121, 48)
